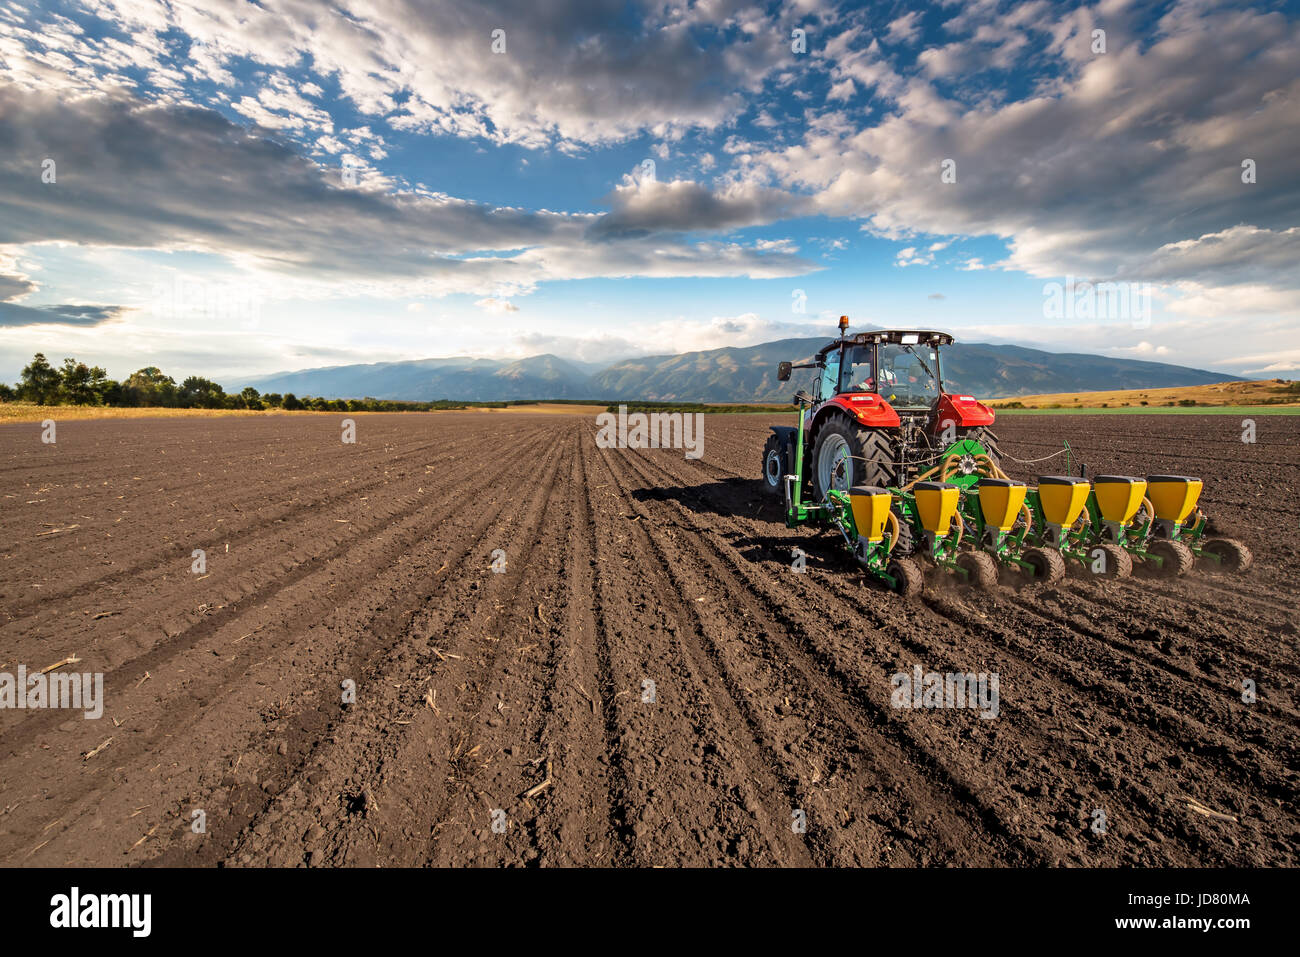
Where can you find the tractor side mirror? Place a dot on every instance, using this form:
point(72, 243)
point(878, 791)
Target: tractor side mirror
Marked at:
point(783, 371)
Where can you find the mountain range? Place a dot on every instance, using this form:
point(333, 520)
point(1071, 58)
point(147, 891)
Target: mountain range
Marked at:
point(733, 374)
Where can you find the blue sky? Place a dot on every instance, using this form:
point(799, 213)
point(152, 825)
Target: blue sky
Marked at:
point(612, 179)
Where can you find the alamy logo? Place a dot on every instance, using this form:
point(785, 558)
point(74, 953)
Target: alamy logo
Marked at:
point(656, 430)
point(1085, 299)
point(962, 689)
point(102, 910)
point(80, 692)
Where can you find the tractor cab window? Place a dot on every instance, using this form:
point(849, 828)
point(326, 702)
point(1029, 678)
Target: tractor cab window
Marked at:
point(908, 375)
point(828, 383)
point(859, 372)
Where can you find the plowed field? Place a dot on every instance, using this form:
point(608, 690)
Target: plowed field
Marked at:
point(644, 680)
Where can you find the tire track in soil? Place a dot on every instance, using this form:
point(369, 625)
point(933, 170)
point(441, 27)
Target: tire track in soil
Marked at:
point(719, 509)
point(184, 708)
point(719, 715)
point(842, 697)
point(576, 821)
point(206, 626)
point(527, 690)
point(1136, 611)
point(591, 631)
point(362, 826)
point(259, 525)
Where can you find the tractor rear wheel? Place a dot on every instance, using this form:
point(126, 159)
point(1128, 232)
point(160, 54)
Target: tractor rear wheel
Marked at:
point(845, 455)
point(1175, 558)
point(1046, 565)
point(907, 575)
point(1231, 554)
point(980, 568)
point(986, 438)
point(773, 467)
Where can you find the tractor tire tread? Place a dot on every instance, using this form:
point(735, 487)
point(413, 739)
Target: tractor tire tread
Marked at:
point(1236, 556)
point(981, 569)
point(1049, 565)
point(908, 575)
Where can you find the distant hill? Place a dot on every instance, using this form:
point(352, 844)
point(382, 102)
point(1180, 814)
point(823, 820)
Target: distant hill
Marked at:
point(418, 380)
point(733, 374)
point(1243, 393)
point(749, 374)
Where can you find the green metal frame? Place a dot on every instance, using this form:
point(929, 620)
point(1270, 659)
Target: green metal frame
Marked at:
point(837, 512)
point(1007, 548)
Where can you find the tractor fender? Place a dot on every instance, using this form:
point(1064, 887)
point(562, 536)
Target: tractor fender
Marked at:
point(962, 411)
point(866, 408)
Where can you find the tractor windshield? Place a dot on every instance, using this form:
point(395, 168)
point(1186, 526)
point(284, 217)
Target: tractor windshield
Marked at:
point(909, 375)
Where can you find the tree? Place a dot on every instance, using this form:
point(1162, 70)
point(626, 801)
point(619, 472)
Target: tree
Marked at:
point(149, 387)
point(110, 393)
point(40, 382)
point(80, 384)
point(7, 393)
point(197, 392)
point(291, 402)
point(273, 400)
point(251, 398)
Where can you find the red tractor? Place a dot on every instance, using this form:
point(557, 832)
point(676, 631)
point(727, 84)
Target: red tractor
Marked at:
point(879, 416)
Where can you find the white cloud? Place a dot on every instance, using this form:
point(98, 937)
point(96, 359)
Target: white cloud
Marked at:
point(1127, 164)
point(266, 209)
point(904, 29)
point(435, 58)
point(499, 306)
point(1145, 350)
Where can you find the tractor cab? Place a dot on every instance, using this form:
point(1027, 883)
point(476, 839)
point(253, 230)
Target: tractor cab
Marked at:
point(879, 412)
point(890, 378)
point(904, 373)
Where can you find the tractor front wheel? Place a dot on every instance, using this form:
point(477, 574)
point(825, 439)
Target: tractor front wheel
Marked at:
point(773, 467)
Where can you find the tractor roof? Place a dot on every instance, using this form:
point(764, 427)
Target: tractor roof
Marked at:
point(922, 337)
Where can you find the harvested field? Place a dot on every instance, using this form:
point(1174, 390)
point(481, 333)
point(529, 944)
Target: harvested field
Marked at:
point(521, 699)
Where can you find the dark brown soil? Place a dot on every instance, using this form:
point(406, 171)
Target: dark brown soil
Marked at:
point(372, 563)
